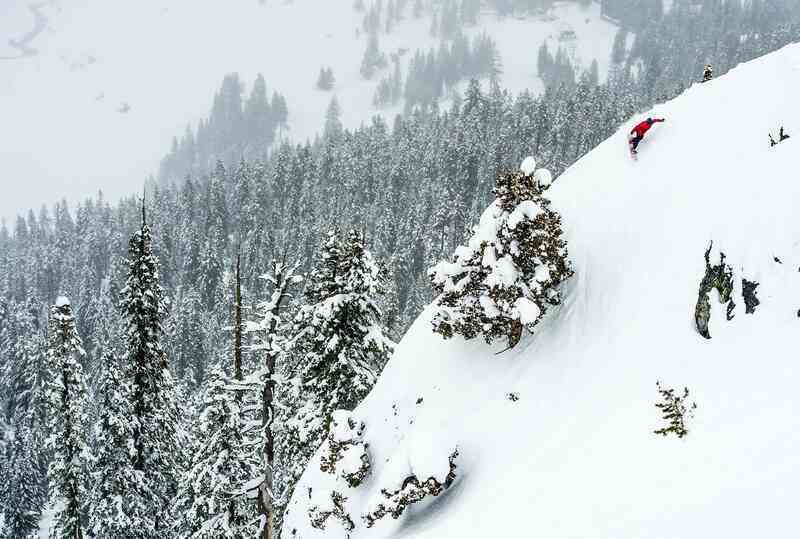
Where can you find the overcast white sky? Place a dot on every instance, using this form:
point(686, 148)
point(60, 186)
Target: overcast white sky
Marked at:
point(63, 132)
point(50, 148)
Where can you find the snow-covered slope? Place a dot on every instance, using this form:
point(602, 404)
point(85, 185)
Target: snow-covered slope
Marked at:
point(575, 455)
point(100, 88)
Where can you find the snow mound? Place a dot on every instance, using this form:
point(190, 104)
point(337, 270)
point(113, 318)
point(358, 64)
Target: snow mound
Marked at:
point(528, 165)
point(573, 453)
point(543, 178)
point(62, 301)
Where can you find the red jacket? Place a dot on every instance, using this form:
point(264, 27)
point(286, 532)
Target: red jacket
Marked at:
point(644, 126)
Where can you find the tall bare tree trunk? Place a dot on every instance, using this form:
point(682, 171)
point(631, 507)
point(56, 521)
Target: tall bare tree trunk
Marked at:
point(283, 279)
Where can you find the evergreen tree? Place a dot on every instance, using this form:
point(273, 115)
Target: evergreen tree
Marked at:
point(156, 435)
point(211, 268)
point(383, 94)
point(326, 80)
point(508, 274)
point(258, 116)
point(23, 352)
point(24, 488)
point(619, 49)
point(66, 398)
point(22, 348)
point(333, 122)
point(188, 344)
point(593, 76)
point(372, 20)
point(113, 509)
point(104, 324)
point(485, 58)
point(396, 82)
point(449, 21)
point(280, 110)
point(373, 59)
point(338, 347)
point(211, 501)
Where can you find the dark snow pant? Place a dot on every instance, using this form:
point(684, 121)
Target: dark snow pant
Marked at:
point(635, 140)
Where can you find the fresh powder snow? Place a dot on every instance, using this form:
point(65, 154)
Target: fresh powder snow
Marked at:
point(573, 453)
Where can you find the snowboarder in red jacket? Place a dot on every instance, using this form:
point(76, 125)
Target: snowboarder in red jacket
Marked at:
point(638, 132)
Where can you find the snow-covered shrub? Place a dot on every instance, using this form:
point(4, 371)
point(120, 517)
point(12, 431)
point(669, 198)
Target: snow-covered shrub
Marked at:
point(720, 278)
point(346, 452)
point(509, 272)
point(343, 455)
point(675, 410)
point(410, 492)
point(319, 515)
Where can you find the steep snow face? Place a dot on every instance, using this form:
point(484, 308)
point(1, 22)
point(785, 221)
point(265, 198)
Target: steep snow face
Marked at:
point(555, 438)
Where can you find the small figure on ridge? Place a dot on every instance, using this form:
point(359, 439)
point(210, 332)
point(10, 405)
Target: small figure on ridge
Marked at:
point(637, 134)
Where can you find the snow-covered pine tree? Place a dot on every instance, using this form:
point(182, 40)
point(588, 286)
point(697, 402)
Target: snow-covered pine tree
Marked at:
point(339, 334)
point(23, 353)
point(111, 509)
point(374, 59)
point(211, 501)
point(338, 348)
point(187, 346)
point(156, 433)
point(22, 349)
point(66, 398)
point(103, 336)
point(508, 274)
point(25, 487)
point(326, 80)
point(280, 111)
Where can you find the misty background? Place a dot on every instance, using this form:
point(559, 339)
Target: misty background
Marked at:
point(95, 93)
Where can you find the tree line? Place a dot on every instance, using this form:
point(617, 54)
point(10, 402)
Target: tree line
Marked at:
point(128, 452)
